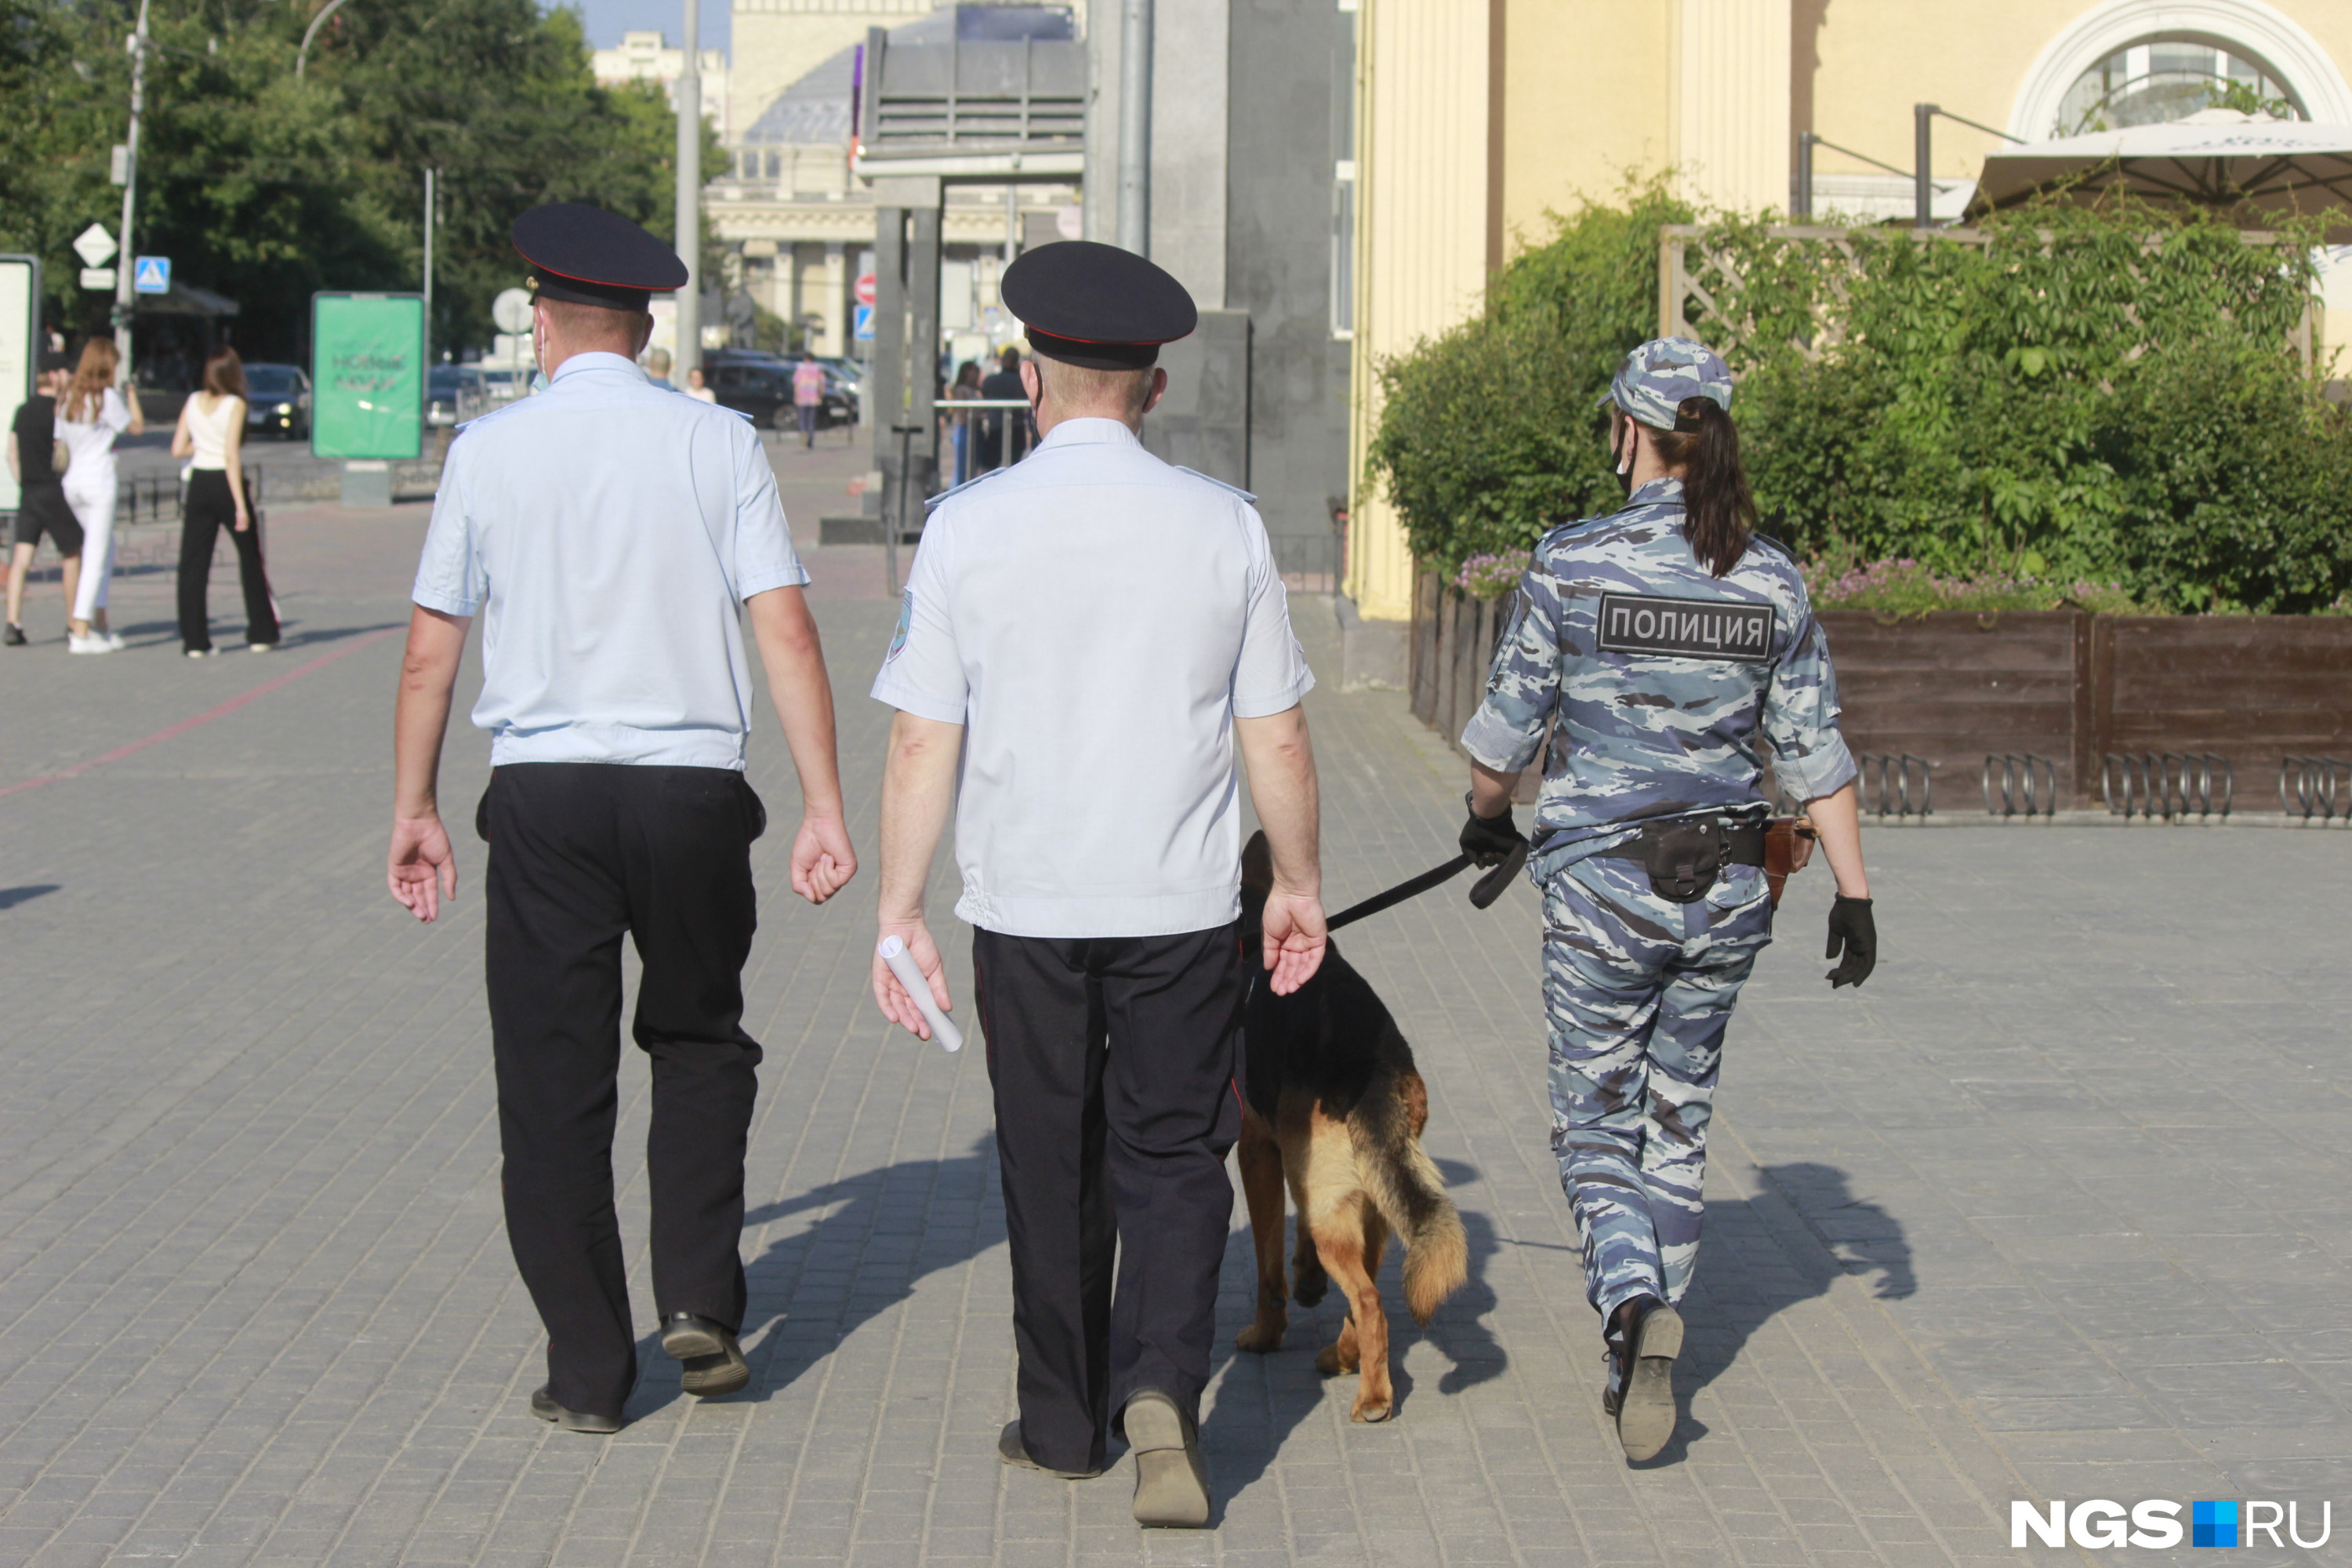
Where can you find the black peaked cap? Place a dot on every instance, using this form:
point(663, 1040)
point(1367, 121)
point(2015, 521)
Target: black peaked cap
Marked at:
point(1097, 305)
point(592, 257)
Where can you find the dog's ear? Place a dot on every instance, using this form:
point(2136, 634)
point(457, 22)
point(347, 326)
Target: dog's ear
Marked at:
point(1257, 865)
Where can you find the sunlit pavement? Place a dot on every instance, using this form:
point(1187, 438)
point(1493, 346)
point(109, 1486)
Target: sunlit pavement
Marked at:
point(2054, 1208)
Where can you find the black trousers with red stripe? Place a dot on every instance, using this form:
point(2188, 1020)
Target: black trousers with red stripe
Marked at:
point(1114, 1061)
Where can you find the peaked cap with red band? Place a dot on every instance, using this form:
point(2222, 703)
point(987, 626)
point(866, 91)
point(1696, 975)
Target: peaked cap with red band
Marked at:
point(1095, 305)
point(592, 257)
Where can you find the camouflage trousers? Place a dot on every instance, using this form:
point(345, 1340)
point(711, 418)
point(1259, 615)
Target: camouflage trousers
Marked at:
point(1637, 992)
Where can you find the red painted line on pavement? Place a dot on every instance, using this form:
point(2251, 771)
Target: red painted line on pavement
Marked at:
point(206, 717)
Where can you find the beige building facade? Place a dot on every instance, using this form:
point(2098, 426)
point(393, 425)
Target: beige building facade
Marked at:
point(1477, 118)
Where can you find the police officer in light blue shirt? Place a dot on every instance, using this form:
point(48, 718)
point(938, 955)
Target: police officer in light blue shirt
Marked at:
point(1667, 650)
point(613, 538)
point(1087, 637)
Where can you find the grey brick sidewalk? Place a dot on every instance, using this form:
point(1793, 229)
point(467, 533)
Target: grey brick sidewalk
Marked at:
point(2054, 1208)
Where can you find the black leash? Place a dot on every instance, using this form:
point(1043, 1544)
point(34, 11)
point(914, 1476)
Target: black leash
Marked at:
point(1489, 889)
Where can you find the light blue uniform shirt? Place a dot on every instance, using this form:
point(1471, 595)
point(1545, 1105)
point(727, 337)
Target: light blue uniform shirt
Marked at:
point(1095, 619)
point(608, 532)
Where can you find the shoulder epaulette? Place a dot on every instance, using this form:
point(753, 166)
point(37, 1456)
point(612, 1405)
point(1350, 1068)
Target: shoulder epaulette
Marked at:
point(1233, 490)
point(1767, 539)
point(932, 502)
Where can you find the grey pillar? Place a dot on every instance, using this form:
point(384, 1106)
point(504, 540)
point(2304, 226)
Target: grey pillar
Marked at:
point(923, 352)
point(906, 341)
point(1922, 188)
point(888, 375)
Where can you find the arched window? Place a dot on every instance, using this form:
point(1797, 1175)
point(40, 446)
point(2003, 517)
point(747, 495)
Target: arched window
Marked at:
point(2155, 79)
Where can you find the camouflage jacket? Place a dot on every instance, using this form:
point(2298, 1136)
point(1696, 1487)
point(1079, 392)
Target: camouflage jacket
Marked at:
point(1664, 685)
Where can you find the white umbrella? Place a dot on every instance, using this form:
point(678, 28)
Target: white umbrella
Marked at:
point(2258, 171)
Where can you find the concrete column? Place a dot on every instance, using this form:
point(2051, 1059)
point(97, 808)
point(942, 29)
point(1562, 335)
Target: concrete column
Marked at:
point(834, 295)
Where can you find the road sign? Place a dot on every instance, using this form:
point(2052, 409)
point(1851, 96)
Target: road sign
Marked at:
point(865, 288)
point(99, 277)
point(512, 310)
point(862, 323)
point(152, 275)
point(367, 368)
point(94, 246)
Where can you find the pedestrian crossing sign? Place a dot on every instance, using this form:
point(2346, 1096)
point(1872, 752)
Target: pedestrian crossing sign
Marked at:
point(152, 274)
point(862, 322)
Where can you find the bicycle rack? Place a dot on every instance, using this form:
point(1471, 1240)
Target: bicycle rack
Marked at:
point(2323, 787)
point(2029, 784)
point(1886, 780)
point(2171, 785)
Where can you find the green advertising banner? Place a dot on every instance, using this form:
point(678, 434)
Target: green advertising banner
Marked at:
point(367, 375)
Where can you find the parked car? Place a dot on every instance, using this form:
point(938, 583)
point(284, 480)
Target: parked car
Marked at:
point(506, 385)
point(760, 385)
point(455, 393)
point(277, 401)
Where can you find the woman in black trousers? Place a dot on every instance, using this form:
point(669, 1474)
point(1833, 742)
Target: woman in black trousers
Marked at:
point(212, 431)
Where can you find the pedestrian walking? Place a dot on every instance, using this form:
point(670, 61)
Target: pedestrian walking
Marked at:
point(1003, 434)
point(615, 538)
point(34, 456)
point(1100, 627)
point(808, 398)
point(212, 433)
point(90, 415)
point(698, 387)
point(966, 388)
point(1669, 650)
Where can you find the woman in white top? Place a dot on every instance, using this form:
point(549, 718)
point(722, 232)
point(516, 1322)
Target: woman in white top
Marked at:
point(699, 387)
point(212, 431)
point(91, 414)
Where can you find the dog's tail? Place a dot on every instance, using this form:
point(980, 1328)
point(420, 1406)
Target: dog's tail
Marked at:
point(1385, 1130)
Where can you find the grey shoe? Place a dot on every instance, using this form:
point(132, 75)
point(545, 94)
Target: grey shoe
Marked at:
point(1172, 1486)
point(543, 1405)
point(1013, 1452)
point(714, 1363)
point(1645, 1409)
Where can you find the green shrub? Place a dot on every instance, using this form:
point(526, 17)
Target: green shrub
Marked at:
point(1906, 588)
point(2094, 395)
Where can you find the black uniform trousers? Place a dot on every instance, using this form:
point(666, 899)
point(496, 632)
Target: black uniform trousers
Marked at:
point(581, 853)
point(1114, 1062)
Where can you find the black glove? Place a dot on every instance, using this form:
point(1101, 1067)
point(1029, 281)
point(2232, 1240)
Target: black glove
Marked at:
point(1489, 840)
point(1853, 932)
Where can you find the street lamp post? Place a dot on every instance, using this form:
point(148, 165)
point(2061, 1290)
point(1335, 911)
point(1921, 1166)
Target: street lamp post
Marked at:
point(689, 352)
point(126, 263)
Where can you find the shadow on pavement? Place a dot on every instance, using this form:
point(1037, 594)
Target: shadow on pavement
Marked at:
point(11, 897)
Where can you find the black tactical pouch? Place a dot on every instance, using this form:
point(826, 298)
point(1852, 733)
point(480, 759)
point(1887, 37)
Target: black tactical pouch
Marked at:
point(1683, 858)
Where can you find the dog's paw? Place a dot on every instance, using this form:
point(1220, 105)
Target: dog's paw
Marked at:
point(1261, 1339)
point(1372, 1407)
point(1308, 1287)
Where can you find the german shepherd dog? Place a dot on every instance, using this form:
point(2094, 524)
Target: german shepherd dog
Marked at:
point(1335, 1107)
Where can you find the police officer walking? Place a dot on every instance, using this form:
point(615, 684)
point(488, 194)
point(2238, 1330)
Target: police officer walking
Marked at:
point(614, 537)
point(1672, 650)
point(1084, 637)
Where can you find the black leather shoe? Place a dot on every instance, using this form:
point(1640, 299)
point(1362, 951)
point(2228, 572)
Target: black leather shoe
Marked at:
point(15, 635)
point(1013, 1452)
point(1645, 1407)
point(1171, 1484)
point(714, 1363)
point(543, 1405)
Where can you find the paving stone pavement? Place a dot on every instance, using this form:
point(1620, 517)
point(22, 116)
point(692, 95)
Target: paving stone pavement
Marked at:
point(2054, 1207)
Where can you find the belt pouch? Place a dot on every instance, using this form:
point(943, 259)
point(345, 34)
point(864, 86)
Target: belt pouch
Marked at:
point(1683, 858)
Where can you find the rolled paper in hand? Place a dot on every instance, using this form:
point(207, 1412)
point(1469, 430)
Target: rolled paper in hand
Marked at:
point(902, 965)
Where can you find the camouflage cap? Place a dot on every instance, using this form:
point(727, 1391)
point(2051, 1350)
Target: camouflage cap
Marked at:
point(1659, 374)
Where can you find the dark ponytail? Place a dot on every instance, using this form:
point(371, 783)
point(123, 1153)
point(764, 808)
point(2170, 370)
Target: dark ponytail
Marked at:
point(1719, 514)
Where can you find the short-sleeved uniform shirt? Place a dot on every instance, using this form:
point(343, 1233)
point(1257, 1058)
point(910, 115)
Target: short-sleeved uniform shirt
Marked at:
point(1097, 619)
point(608, 532)
point(1664, 685)
point(36, 427)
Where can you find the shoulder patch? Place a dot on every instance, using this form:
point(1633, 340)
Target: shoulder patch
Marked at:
point(932, 501)
point(1229, 490)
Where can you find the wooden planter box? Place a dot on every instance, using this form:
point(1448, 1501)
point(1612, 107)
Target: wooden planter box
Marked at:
point(2071, 687)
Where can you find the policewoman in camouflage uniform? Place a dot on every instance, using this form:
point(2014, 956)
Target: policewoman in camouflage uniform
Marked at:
point(1669, 649)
